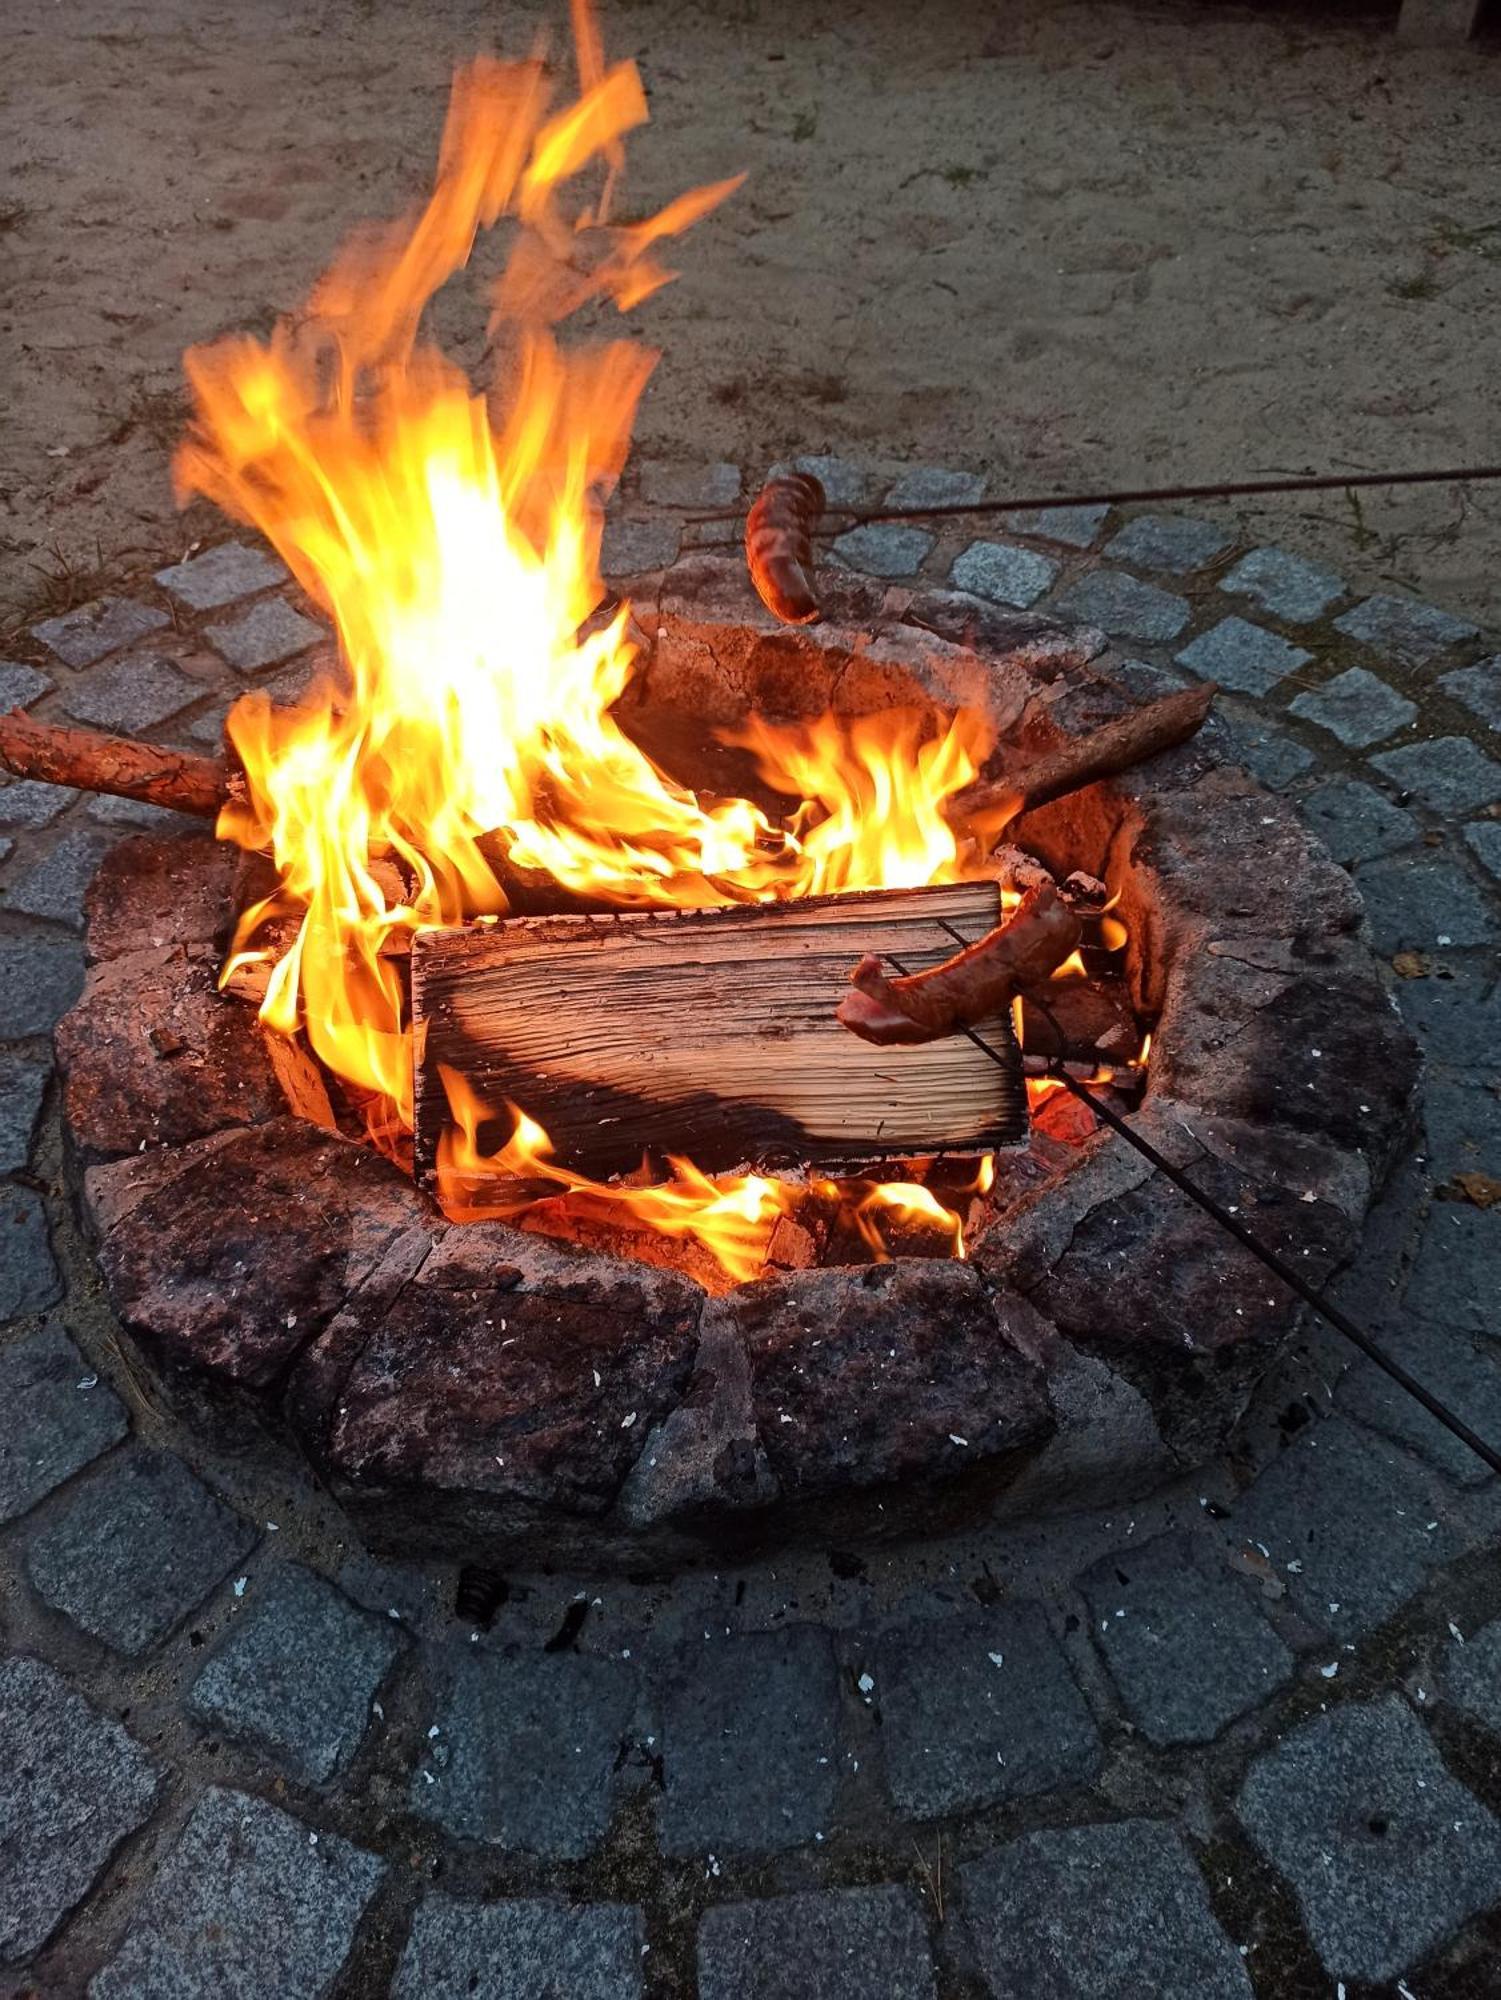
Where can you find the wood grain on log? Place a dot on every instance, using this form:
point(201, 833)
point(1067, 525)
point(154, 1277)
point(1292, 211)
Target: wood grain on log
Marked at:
point(705, 1032)
point(91, 762)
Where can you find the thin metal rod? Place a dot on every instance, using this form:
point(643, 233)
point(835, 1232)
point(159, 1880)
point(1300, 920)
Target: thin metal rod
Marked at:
point(1340, 1321)
point(1232, 489)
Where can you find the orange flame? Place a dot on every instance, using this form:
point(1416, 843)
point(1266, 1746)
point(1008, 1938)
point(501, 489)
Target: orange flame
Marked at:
point(454, 539)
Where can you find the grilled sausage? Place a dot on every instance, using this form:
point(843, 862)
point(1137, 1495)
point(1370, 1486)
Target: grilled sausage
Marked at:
point(779, 546)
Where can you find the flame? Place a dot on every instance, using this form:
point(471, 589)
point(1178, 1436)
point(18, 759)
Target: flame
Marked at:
point(453, 537)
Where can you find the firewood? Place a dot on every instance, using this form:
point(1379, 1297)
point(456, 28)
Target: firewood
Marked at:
point(1079, 1018)
point(965, 989)
point(91, 762)
point(779, 546)
point(709, 1033)
point(1104, 753)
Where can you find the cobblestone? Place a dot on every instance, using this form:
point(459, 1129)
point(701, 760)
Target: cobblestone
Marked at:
point(221, 576)
point(56, 1417)
point(80, 637)
point(1462, 1125)
point(136, 813)
point(1073, 527)
point(133, 694)
point(1284, 584)
point(1479, 688)
point(1418, 902)
point(1472, 1675)
point(54, 886)
point(269, 632)
point(828, 1945)
point(1456, 1280)
point(1183, 1641)
point(1386, 1853)
point(750, 1744)
point(844, 483)
point(1268, 753)
point(1484, 841)
point(1242, 656)
point(73, 1784)
point(28, 802)
point(40, 978)
point(1108, 1912)
point(884, 548)
point(1176, 543)
point(23, 1084)
point(631, 547)
point(1355, 822)
point(1356, 707)
point(1462, 1368)
point(1457, 1017)
point(531, 1949)
point(1447, 773)
point(525, 1750)
point(664, 484)
point(935, 486)
point(249, 1903)
point(134, 1550)
point(1124, 606)
point(296, 1674)
point(29, 1280)
point(1355, 1517)
point(20, 685)
point(1004, 573)
point(977, 1710)
point(1408, 632)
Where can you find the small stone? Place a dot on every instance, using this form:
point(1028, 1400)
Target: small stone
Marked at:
point(130, 695)
point(936, 486)
point(1448, 774)
point(526, 1751)
point(297, 1673)
point(1004, 573)
point(1412, 901)
point(745, 1722)
point(1352, 1512)
point(1242, 656)
point(135, 1549)
point(962, 1733)
point(29, 1279)
point(1074, 527)
point(1411, 633)
point(1126, 607)
point(828, 1944)
point(1386, 1853)
point(522, 1949)
point(269, 632)
point(23, 1083)
point(1176, 543)
point(1457, 1015)
point(1284, 584)
point(246, 1903)
point(667, 485)
point(28, 802)
point(1098, 1913)
point(844, 484)
point(1184, 1643)
point(1355, 822)
point(221, 576)
point(1456, 1280)
point(20, 686)
point(73, 1784)
point(1484, 841)
point(883, 548)
point(631, 548)
point(1472, 1675)
point(55, 886)
point(1356, 707)
point(49, 1427)
point(83, 636)
point(1273, 758)
point(40, 978)
point(1478, 687)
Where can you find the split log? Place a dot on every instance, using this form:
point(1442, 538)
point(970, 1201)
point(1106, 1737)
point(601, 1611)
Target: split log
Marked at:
point(709, 1033)
point(92, 762)
point(970, 986)
point(1105, 752)
point(779, 546)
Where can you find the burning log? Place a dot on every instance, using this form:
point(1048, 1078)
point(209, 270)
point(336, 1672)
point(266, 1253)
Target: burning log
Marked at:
point(92, 762)
point(779, 546)
point(709, 1033)
point(967, 988)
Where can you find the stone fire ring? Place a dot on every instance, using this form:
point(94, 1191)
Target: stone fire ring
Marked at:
point(482, 1393)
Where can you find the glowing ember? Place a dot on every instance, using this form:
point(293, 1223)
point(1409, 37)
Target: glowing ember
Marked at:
point(453, 536)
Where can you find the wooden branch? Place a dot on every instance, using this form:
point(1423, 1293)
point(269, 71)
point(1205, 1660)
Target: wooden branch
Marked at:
point(1104, 753)
point(969, 987)
point(91, 762)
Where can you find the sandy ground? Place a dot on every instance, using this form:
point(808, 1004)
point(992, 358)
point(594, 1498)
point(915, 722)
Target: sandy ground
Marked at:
point(1066, 243)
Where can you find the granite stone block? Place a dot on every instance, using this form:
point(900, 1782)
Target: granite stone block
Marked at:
point(1124, 606)
point(1356, 822)
point(664, 484)
point(1478, 687)
point(221, 576)
point(55, 885)
point(1462, 1125)
point(1272, 757)
point(935, 486)
point(80, 637)
point(132, 695)
point(29, 1280)
point(1176, 543)
point(1456, 1014)
point(1458, 1365)
point(56, 1417)
point(830, 1944)
point(1356, 707)
point(1004, 573)
point(1472, 1675)
point(1284, 584)
point(1484, 841)
point(1073, 527)
point(1448, 773)
point(521, 1949)
point(269, 632)
point(1423, 902)
point(23, 1084)
point(1242, 656)
point(844, 483)
point(883, 548)
point(20, 685)
point(1456, 1281)
point(1406, 631)
point(40, 978)
point(631, 547)
point(28, 802)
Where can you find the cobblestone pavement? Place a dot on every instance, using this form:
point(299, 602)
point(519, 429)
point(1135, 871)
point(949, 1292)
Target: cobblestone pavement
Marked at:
point(1245, 1739)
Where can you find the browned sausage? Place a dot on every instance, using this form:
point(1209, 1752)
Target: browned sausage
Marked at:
point(779, 546)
